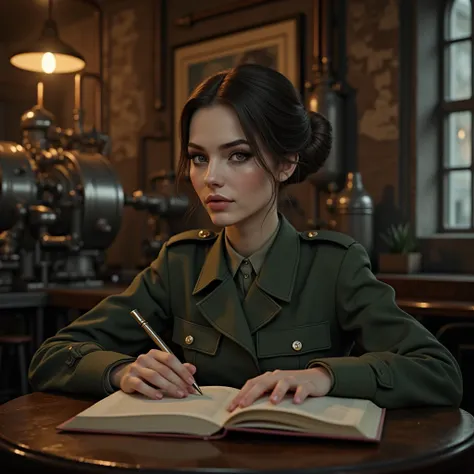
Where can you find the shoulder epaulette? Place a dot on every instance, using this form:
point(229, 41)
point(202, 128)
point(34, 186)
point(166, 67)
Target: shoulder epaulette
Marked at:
point(202, 235)
point(328, 236)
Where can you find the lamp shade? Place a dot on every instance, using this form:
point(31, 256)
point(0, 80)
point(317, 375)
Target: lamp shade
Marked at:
point(49, 54)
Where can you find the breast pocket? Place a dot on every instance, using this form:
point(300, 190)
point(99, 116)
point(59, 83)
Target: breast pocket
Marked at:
point(292, 348)
point(195, 338)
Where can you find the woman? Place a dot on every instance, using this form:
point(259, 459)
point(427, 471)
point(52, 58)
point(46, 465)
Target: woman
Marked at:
point(258, 306)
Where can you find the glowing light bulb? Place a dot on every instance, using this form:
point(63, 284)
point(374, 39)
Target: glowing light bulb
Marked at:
point(48, 63)
point(313, 104)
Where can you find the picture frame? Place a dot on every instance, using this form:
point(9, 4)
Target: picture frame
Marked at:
point(275, 45)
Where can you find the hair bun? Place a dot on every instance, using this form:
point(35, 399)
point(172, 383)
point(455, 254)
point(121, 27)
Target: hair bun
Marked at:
point(313, 157)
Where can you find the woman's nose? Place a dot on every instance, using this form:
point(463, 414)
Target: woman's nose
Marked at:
point(213, 176)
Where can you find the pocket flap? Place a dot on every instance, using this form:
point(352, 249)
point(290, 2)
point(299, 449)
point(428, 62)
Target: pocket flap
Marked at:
point(195, 337)
point(293, 341)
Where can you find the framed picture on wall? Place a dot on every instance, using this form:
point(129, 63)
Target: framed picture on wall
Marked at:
point(275, 45)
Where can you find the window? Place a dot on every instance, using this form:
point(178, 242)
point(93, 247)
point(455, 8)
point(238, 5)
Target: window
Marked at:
point(433, 169)
point(457, 106)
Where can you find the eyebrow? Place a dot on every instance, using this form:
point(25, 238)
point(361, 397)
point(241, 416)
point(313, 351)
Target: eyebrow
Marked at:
point(225, 146)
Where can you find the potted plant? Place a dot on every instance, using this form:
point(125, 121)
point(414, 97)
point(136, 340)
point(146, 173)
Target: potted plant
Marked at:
point(403, 256)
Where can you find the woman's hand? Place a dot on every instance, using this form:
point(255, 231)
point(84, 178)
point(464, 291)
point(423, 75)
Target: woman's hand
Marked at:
point(154, 374)
point(315, 382)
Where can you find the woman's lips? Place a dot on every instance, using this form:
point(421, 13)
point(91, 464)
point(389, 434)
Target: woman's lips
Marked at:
point(216, 205)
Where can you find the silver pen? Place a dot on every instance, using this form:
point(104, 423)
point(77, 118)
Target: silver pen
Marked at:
point(155, 338)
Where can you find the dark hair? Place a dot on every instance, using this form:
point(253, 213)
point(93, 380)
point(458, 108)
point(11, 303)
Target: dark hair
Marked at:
point(270, 111)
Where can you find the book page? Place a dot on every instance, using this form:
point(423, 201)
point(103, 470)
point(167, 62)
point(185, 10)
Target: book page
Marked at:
point(333, 410)
point(210, 405)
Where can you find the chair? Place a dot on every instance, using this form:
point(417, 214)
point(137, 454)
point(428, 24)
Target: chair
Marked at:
point(18, 346)
point(458, 338)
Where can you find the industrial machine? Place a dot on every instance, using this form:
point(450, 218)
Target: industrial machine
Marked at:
point(162, 209)
point(61, 206)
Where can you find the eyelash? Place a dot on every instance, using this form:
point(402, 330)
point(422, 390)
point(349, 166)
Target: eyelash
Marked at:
point(247, 155)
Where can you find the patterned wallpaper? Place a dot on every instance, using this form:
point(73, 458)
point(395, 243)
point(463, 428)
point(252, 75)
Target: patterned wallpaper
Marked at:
point(379, 61)
point(372, 47)
point(127, 91)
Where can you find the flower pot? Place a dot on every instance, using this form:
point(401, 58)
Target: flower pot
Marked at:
point(400, 262)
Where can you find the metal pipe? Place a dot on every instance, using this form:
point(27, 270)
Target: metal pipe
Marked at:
point(99, 80)
point(100, 12)
point(341, 41)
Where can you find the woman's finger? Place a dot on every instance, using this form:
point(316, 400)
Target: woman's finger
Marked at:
point(192, 370)
point(281, 389)
point(242, 393)
point(302, 392)
point(190, 367)
point(167, 373)
point(171, 361)
point(255, 392)
point(157, 380)
point(135, 384)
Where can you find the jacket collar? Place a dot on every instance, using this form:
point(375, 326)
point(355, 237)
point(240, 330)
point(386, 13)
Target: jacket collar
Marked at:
point(278, 273)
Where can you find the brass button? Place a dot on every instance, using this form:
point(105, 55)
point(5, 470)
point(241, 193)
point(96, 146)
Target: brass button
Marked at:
point(189, 340)
point(204, 234)
point(297, 346)
point(246, 262)
point(246, 275)
point(312, 234)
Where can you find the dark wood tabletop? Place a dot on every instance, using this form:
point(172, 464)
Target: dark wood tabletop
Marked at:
point(414, 441)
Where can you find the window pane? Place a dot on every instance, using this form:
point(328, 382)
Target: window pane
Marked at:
point(459, 21)
point(458, 71)
point(458, 137)
point(458, 197)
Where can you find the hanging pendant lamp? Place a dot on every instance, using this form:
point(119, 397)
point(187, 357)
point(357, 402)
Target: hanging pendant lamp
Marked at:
point(49, 54)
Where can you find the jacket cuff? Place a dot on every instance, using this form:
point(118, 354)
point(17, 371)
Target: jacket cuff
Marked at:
point(108, 386)
point(352, 377)
point(93, 370)
point(315, 364)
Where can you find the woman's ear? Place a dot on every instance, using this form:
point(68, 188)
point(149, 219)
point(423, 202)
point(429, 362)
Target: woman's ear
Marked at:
point(288, 167)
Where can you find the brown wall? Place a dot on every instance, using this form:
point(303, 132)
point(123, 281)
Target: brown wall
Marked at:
point(372, 39)
point(17, 94)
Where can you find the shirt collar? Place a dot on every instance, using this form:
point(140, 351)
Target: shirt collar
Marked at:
point(277, 276)
point(234, 258)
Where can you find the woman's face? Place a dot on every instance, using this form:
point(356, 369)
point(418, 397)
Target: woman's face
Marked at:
point(231, 184)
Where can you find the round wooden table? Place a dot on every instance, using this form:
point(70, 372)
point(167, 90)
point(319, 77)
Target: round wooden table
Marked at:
point(414, 441)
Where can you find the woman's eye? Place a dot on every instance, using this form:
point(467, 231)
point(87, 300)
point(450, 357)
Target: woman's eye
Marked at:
point(240, 156)
point(197, 159)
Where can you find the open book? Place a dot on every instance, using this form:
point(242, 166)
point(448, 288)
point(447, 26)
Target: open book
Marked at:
point(207, 416)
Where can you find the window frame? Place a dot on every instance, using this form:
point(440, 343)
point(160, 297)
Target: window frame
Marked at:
point(447, 108)
point(419, 39)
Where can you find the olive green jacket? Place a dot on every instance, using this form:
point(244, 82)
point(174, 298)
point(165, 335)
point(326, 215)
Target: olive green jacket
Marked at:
point(315, 301)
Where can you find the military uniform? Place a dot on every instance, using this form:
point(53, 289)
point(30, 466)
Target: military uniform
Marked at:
point(313, 301)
